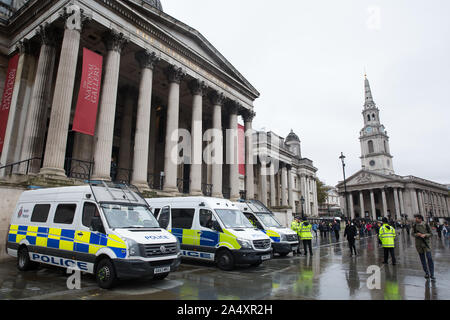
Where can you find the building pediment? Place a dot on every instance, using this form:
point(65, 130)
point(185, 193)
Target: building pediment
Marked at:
point(366, 177)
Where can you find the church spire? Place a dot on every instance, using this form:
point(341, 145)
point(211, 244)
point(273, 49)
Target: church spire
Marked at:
point(369, 99)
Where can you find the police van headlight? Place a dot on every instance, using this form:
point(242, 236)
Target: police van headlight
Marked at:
point(246, 244)
point(283, 237)
point(133, 248)
point(178, 246)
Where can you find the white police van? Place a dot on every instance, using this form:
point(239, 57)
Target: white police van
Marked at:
point(284, 240)
point(101, 228)
point(212, 229)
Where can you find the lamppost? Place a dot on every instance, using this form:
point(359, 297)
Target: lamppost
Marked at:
point(342, 157)
point(302, 200)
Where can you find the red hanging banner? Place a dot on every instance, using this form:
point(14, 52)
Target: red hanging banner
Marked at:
point(89, 95)
point(7, 96)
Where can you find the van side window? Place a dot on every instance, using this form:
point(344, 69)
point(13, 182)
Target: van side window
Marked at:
point(40, 213)
point(64, 213)
point(155, 212)
point(89, 210)
point(182, 218)
point(206, 218)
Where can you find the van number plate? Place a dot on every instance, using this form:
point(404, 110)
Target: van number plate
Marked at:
point(162, 270)
point(266, 257)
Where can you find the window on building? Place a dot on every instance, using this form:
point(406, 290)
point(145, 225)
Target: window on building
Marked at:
point(373, 116)
point(368, 117)
point(370, 145)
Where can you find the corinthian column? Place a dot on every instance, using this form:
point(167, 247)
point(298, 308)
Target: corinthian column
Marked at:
point(146, 61)
point(174, 75)
point(197, 89)
point(217, 100)
point(55, 150)
point(284, 193)
point(232, 151)
point(249, 180)
point(103, 141)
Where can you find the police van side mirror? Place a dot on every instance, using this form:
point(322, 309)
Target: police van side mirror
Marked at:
point(97, 225)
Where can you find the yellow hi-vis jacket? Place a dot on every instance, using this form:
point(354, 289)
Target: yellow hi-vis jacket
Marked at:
point(305, 232)
point(387, 236)
point(295, 226)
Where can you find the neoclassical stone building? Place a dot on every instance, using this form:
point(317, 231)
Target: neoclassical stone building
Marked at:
point(159, 76)
point(283, 177)
point(376, 191)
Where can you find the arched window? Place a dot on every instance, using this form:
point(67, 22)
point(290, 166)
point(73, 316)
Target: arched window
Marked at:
point(373, 116)
point(368, 117)
point(385, 146)
point(370, 145)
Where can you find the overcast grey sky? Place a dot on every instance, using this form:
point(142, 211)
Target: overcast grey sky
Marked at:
point(307, 59)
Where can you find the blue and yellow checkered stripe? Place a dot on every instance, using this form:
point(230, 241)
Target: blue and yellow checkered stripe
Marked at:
point(273, 235)
point(67, 239)
point(207, 238)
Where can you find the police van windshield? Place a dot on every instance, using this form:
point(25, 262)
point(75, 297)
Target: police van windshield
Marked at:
point(233, 218)
point(269, 220)
point(128, 216)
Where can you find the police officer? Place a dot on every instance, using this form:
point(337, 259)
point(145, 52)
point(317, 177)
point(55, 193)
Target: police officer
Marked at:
point(306, 236)
point(387, 238)
point(295, 226)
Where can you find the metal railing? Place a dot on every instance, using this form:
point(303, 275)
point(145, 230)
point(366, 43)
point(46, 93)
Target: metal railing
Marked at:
point(183, 185)
point(122, 175)
point(155, 181)
point(226, 193)
point(27, 164)
point(78, 169)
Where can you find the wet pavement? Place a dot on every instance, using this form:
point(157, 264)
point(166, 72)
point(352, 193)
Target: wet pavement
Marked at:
point(330, 274)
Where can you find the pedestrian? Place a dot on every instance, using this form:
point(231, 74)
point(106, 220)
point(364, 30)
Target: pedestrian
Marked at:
point(113, 171)
point(369, 229)
point(295, 226)
point(315, 227)
point(336, 229)
point(351, 232)
point(322, 232)
point(306, 236)
point(387, 238)
point(377, 229)
point(362, 230)
point(439, 228)
point(408, 228)
point(422, 232)
point(446, 230)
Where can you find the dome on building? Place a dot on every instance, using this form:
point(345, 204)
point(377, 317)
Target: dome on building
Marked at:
point(292, 137)
point(154, 3)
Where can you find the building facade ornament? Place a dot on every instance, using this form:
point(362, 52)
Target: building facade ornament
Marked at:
point(175, 74)
point(197, 87)
point(217, 98)
point(147, 59)
point(114, 40)
point(47, 35)
point(75, 17)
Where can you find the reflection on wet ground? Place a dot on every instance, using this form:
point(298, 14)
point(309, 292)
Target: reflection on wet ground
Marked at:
point(331, 273)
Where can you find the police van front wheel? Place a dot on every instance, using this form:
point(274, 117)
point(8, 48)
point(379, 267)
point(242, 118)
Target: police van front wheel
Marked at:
point(225, 260)
point(105, 274)
point(24, 262)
